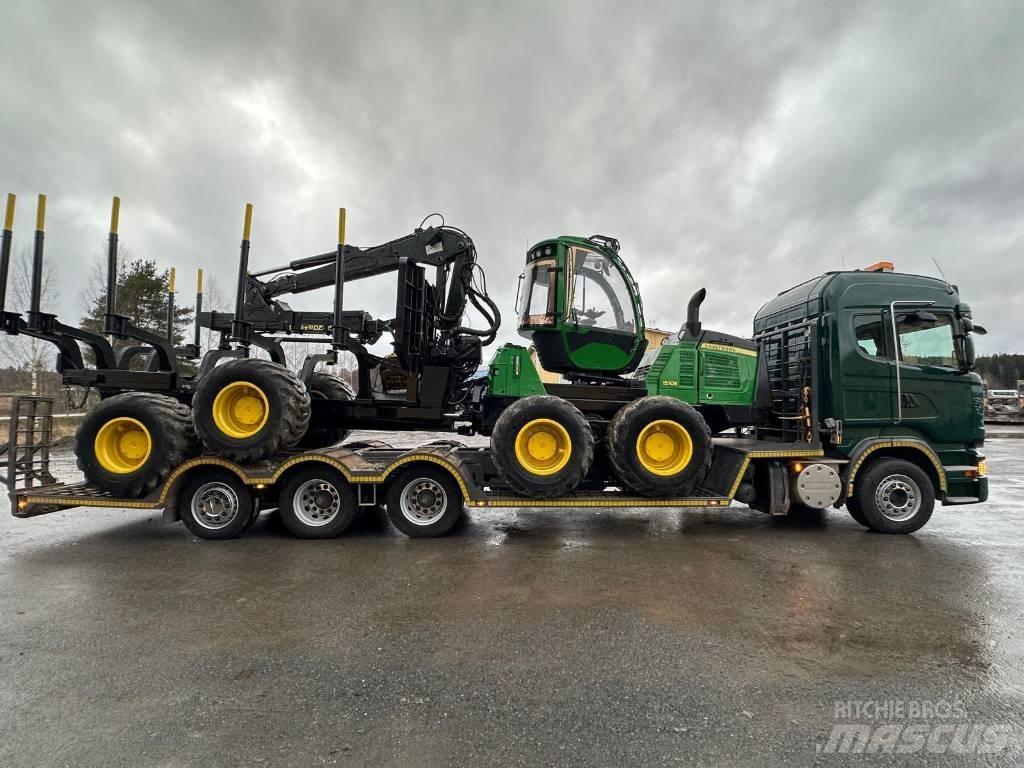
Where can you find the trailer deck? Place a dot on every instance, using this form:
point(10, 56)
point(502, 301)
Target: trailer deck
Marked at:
point(367, 468)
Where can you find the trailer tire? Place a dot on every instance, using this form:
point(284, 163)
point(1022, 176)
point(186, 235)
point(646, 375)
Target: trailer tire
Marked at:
point(542, 446)
point(424, 501)
point(215, 504)
point(659, 446)
point(324, 386)
point(129, 443)
point(248, 410)
point(895, 496)
point(317, 502)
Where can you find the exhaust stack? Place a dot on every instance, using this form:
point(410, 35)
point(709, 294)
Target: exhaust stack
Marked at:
point(692, 327)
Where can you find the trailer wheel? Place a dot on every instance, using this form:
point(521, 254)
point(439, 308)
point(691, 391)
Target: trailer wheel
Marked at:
point(324, 386)
point(659, 446)
point(250, 409)
point(215, 505)
point(317, 502)
point(424, 501)
point(129, 443)
point(895, 496)
point(542, 446)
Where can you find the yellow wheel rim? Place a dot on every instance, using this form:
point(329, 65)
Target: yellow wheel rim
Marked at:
point(543, 447)
point(122, 445)
point(240, 410)
point(664, 447)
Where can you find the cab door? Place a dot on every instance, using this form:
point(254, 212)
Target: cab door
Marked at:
point(933, 386)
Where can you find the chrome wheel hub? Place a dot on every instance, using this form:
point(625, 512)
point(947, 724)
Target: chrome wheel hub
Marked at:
point(316, 503)
point(423, 501)
point(215, 505)
point(898, 497)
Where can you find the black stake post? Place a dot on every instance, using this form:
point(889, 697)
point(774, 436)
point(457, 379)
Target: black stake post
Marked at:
point(111, 319)
point(35, 299)
point(170, 306)
point(199, 308)
point(337, 331)
point(5, 250)
point(239, 327)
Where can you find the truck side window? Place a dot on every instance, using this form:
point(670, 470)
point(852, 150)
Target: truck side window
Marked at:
point(926, 342)
point(870, 333)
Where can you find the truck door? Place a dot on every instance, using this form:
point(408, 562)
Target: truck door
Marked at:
point(933, 386)
point(866, 362)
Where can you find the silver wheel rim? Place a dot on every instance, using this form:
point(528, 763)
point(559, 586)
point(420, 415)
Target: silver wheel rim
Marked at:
point(423, 501)
point(215, 505)
point(316, 503)
point(898, 498)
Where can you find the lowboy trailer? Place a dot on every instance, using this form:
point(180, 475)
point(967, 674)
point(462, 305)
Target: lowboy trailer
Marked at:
point(424, 490)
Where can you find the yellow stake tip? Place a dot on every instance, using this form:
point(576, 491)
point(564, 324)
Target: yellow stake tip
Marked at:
point(115, 214)
point(41, 213)
point(9, 214)
point(247, 225)
point(170, 281)
point(341, 226)
point(199, 281)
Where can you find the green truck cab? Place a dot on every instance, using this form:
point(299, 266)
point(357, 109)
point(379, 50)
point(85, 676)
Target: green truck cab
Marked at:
point(877, 366)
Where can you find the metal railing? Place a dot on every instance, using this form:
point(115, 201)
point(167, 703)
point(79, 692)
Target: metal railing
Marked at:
point(29, 437)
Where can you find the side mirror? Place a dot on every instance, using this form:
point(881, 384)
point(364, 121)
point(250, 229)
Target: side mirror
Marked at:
point(969, 356)
point(980, 330)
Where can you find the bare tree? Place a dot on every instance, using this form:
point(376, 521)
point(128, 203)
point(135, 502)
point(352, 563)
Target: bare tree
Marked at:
point(28, 355)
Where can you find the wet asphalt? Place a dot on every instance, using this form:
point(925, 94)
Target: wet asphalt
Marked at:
point(529, 637)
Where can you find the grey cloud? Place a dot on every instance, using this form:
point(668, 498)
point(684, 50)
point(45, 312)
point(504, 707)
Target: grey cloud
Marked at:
point(742, 146)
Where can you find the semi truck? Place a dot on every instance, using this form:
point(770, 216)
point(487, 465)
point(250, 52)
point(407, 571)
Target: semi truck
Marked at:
point(856, 390)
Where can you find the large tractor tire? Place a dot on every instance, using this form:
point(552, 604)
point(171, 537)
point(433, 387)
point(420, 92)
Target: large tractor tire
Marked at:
point(247, 410)
point(542, 446)
point(129, 443)
point(324, 386)
point(659, 446)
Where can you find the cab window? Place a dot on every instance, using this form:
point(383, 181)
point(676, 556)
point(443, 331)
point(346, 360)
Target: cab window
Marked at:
point(926, 342)
point(599, 296)
point(870, 333)
point(536, 302)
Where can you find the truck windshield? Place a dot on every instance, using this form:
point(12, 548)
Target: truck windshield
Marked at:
point(536, 303)
point(600, 296)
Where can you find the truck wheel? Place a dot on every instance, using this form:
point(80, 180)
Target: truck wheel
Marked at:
point(250, 409)
point(659, 446)
point(542, 446)
point(317, 502)
point(215, 505)
point(129, 443)
point(853, 507)
point(324, 386)
point(895, 496)
point(424, 501)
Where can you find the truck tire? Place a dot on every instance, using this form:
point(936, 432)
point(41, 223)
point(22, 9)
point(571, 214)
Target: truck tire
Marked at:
point(215, 504)
point(895, 496)
point(853, 507)
point(424, 501)
point(324, 386)
point(317, 502)
point(659, 446)
point(542, 446)
point(247, 410)
point(129, 443)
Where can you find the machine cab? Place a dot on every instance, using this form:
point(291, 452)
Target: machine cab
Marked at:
point(580, 306)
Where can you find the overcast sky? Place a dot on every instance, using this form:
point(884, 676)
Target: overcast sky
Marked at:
point(740, 146)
